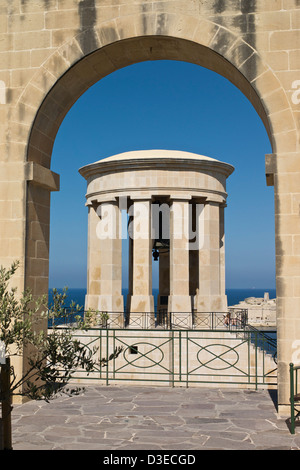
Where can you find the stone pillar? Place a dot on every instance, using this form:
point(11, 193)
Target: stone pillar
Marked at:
point(130, 265)
point(105, 263)
point(287, 225)
point(209, 297)
point(179, 299)
point(93, 261)
point(141, 300)
point(222, 257)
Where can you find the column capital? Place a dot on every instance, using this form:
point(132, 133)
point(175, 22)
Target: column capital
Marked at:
point(97, 200)
point(141, 197)
point(180, 197)
point(214, 201)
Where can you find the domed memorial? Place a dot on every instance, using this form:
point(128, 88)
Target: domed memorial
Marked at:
point(175, 204)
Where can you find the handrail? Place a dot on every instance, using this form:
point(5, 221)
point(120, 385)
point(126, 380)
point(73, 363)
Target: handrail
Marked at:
point(266, 341)
point(269, 340)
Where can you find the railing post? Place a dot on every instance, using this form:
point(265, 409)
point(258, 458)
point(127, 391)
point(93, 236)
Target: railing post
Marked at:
point(179, 355)
point(173, 358)
point(256, 359)
point(292, 398)
point(6, 405)
point(107, 349)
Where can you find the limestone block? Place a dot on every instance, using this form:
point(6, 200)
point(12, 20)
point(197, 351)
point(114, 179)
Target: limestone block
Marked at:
point(277, 101)
point(278, 60)
point(67, 4)
point(287, 141)
point(205, 32)
point(62, 19)
point(285, 40)
point(32, 40)
point(6, 42)
point(288, 163)
point(37, 6)
point(141, 304)
point(294, 59)
point(108, 33)
point(261, 5)
point(12, 191)
point(15, 60)
point(271, 20)
point(34, 22)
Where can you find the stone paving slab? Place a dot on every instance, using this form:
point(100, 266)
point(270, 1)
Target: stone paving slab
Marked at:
point(118, 418)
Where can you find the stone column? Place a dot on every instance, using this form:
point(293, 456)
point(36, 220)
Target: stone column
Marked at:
point(105, 262)
point(93, 261)
point(287, 242)
point(222, 257)
point(209, 297)
point(179, 299)
point(130, 265)
point(141, 300)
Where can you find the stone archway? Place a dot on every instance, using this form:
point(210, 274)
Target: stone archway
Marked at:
point(96, 48)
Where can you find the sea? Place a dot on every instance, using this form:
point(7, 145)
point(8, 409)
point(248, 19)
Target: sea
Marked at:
point(234, 296)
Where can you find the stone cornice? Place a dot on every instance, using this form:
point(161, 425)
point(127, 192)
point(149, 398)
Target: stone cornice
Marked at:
point(151, 163)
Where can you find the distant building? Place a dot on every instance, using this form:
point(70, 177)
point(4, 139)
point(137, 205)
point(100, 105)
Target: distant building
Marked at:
point(261, 310)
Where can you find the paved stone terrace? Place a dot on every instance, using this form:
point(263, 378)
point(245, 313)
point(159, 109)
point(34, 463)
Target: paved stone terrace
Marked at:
point(126, 418)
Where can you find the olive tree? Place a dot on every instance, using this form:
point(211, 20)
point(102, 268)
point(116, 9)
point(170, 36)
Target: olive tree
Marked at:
point(52, 355)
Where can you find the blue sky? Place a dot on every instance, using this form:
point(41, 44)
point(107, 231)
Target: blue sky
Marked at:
point(166, 105)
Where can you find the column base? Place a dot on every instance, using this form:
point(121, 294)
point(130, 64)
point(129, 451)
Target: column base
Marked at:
point(210, 303)
point(108, 310)
point(284, 411)
point(91, 302)
point(141, 308)
point(180, 308)
point(141, 303)
point(180, 303)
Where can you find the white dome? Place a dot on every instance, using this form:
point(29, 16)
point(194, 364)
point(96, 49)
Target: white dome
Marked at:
point(158, 153)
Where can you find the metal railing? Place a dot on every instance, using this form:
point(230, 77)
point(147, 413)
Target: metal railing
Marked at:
point(230, 320)
point(266, 340)
point(5, 399)
point(187, 348)
point(294, 395)
point(179, 357)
